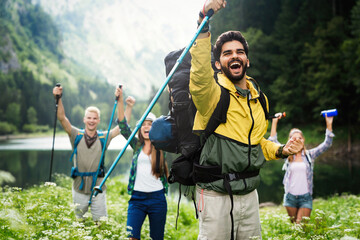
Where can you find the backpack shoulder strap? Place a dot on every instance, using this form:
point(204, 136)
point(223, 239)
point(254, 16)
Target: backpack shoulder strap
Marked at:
point(101, 138)
point(220, 112)
point(76, 142)
point(78, 137)
point(263, 103)
point(262, 98)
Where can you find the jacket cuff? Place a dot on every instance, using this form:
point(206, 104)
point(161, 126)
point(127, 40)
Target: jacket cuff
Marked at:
point(329, 133)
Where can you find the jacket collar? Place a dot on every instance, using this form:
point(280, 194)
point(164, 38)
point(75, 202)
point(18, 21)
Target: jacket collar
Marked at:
point(250, 83)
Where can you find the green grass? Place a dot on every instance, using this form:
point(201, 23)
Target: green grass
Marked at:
point(46, 212)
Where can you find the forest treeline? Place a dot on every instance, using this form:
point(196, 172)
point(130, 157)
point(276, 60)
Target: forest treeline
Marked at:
point(305, 55)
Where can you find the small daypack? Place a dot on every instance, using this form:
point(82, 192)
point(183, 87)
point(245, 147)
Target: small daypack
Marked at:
point(74, 170)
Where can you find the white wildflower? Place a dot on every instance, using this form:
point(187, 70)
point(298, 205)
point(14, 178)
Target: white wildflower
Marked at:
point(50, 184)
point(348, 238)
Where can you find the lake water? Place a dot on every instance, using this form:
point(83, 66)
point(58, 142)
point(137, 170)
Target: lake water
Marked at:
point(28, 160)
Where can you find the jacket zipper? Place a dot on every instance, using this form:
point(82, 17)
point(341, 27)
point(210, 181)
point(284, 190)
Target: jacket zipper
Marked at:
point(249, 136)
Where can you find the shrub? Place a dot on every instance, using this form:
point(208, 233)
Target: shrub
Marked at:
point(7, 128)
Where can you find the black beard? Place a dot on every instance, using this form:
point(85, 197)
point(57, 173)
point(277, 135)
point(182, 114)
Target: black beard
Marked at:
point(234, 79)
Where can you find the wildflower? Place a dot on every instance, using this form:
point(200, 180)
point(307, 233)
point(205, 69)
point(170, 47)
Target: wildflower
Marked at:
point(50, 184)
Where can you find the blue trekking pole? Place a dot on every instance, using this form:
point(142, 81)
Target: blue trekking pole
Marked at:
point(103, 150)
point(138, 126)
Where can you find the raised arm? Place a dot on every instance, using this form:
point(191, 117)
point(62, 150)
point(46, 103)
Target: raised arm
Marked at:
point(130, 102)
point(215, 5)
point(116, 130)
point(65, 123)
point(329, 121)
point(326, 144)
point(274, 123)
point(120, 112)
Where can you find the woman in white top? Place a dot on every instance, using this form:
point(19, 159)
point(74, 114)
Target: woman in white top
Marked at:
point(147, 182)
point(298, 178)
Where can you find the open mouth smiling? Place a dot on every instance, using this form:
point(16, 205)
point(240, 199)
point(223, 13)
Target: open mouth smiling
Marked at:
point(235, 65)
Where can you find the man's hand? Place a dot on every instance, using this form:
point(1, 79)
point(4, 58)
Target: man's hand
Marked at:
point(130, 101)
point(293, 146)
point(57, 91)
point(215, 5)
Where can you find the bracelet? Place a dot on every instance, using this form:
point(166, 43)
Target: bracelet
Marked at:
point(279, 152)
point(206, 27)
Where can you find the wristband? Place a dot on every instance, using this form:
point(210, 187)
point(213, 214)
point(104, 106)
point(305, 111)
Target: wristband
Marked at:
point(206, 27)
point(279, 152)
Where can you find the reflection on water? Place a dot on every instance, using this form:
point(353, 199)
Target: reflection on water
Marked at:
point(28, 160)
point(45, 143)
point(31, 167)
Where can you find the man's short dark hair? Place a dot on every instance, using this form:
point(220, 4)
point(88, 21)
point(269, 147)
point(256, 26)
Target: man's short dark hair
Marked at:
point(228, 37)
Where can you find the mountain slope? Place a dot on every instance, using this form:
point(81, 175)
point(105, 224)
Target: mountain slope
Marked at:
point(124, 40)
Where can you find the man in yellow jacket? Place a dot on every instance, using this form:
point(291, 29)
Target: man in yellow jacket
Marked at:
point(237, 148)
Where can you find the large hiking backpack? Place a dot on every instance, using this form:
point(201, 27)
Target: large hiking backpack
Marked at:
point(173, 133)
point(74, 170)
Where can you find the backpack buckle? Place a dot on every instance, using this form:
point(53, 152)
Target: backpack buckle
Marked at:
point(230, 177)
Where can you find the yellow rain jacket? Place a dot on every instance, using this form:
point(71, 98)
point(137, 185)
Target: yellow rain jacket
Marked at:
point(239, 144)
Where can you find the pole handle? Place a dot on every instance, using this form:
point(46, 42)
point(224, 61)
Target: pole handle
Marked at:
point(57, 96)
point(277, 115)
point(210, 13)
point(117, 97)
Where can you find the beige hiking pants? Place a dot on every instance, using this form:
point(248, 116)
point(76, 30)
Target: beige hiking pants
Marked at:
point(214, 215)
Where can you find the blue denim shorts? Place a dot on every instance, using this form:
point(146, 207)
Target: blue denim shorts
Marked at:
point(298, 201)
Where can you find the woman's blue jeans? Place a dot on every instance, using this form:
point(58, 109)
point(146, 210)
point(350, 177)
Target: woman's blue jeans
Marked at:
point(152, 204)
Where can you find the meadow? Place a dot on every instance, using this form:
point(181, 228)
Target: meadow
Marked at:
point(46, 212)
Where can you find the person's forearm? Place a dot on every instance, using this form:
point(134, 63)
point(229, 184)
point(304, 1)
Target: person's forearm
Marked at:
point(273, 127)
point(128, 111)
point(120, 112)
point(64, 121)
point(329, 126)
point(60, 111)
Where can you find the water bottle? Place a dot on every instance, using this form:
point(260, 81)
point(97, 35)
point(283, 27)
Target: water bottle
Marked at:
point(329, 113)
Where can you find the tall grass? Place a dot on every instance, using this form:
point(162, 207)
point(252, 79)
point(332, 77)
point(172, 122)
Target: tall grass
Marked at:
point(46, 212)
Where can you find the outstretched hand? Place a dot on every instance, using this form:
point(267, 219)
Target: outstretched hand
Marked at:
point(293, 146)
point(215, 5)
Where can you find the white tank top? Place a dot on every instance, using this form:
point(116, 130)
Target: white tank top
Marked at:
point(145, 181)
point(298, 180)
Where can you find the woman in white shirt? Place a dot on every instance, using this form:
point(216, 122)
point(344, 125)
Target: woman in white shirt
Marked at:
point(147, 182)
point(298, 178)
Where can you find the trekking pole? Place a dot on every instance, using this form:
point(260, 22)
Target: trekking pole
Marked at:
point(156, 97)
point(104, 148)
point(52, 150)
